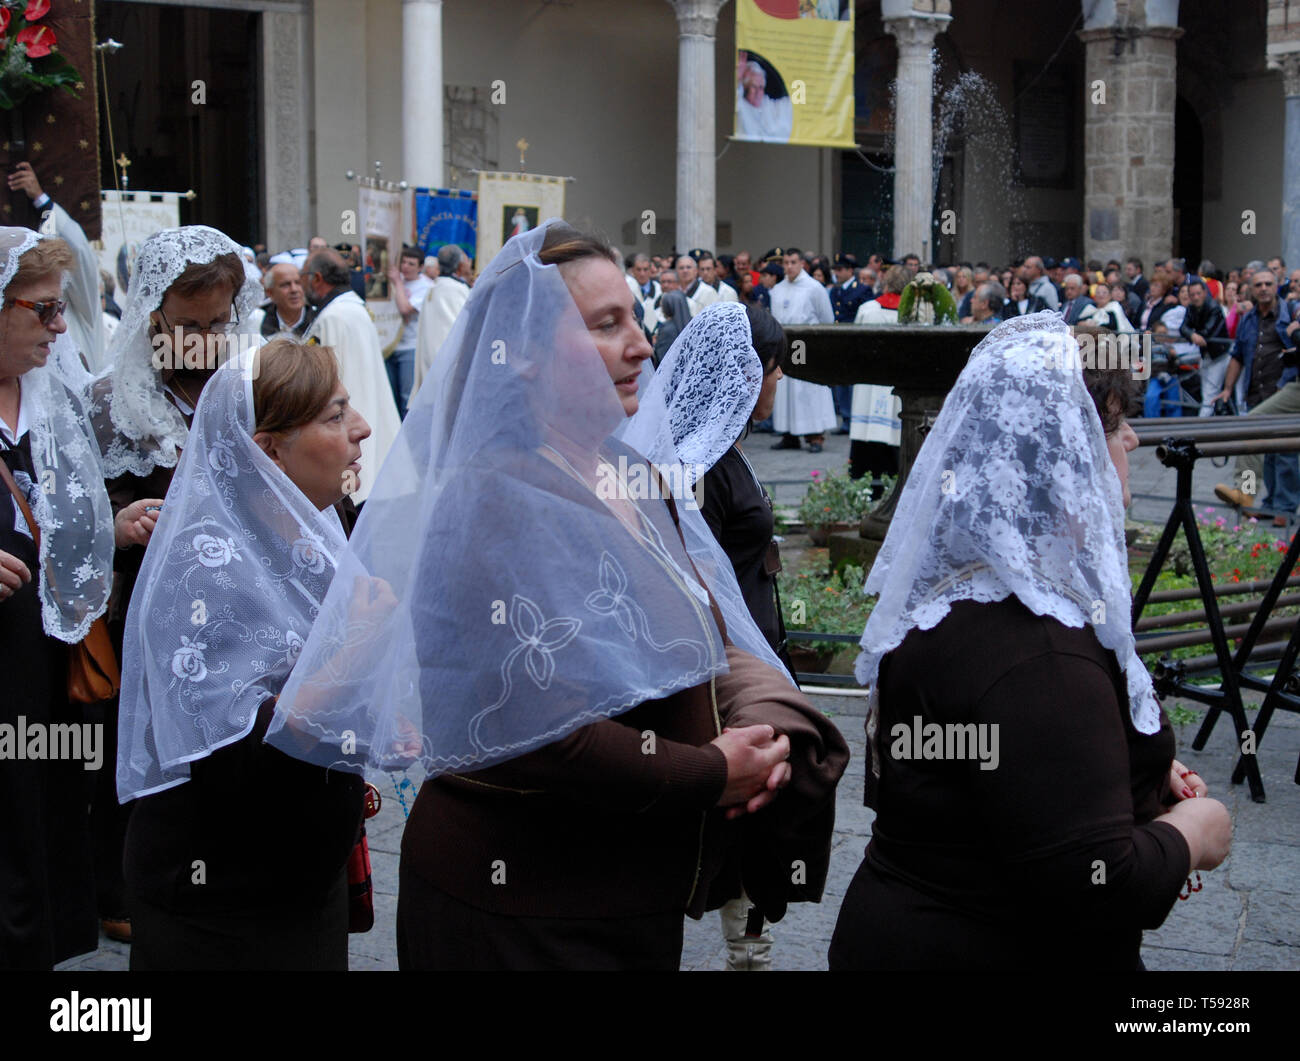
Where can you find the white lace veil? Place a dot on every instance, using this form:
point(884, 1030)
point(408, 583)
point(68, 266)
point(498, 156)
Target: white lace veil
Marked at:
point(68, 499)
point(692, 412)
point(231, 582)
point(489, 602)
point(701, 396)
point(1013, 492)
point(137, 425)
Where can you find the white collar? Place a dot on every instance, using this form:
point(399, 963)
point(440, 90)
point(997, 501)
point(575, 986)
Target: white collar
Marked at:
point(291, 324)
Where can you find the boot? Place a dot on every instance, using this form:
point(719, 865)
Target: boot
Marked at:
point(1233, 496)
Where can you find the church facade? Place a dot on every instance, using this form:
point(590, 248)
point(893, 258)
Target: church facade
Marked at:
point(1112, 127)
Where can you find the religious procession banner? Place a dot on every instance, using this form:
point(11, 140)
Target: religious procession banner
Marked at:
point(445, 215)
point(794, 72)
point(130, 218)
point(511, 203)
point(56, 129)
point(380, 217)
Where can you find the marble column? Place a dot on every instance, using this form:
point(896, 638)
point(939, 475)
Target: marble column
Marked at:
point(422, 93)
point(697, 104)
point(285, 135)
point(1290, 66)
point(914, 133)
point(1128, 135)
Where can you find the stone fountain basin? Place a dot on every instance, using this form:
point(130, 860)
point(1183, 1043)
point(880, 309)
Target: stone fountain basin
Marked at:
point(907, 357)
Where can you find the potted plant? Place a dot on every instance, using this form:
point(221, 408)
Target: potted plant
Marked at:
point(826, 604)
point(834, 502)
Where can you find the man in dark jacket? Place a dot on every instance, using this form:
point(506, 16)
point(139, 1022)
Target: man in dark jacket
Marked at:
point(1137, 283)
point(1076, 300)
point(289, 310)
point(1270, 385)
point(1205, 327)
point(849, 292)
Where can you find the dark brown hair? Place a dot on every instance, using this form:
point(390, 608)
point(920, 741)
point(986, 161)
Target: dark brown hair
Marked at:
point(564, 244)
point(201, 277)
point(36, 264)
point(1111, 391)
point(293, 383)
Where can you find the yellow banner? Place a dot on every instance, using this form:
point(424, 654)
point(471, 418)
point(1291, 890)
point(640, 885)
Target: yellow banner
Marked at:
point(794, 72)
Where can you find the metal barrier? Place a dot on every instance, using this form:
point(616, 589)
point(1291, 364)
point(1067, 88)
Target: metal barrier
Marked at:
point(1222, 437)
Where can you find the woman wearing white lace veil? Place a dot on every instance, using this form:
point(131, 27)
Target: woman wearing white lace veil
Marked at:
point(242, 555)
point(1023, 769)
point(720, 374)
point(190, 302)
point(56, 556)
point(547, 637)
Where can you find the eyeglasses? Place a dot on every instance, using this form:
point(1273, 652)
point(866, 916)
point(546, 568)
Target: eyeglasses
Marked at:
point(46, 311)
point(212, 327)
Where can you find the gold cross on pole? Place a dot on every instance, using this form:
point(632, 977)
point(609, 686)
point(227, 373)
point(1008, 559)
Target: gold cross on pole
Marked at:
point(522, 145)
point(122, 162)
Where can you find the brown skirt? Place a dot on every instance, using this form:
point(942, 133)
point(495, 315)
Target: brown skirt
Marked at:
point(436, 932)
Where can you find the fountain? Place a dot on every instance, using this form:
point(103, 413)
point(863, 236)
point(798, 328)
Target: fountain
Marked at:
point(921, 362)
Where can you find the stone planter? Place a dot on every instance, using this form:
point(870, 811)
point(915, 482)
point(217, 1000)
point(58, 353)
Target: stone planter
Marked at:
point(810, 661)
point(821, 535)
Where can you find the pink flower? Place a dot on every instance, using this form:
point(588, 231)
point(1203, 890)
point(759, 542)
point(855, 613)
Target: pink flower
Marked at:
point(36, 9)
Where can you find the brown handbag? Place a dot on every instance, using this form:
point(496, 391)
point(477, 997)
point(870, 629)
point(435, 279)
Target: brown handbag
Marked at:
point(93, 673)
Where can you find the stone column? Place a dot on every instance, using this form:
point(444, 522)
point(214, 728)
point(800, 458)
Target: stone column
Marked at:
point(1290, 65)
point(285, 102)
point(1128, 135)
point(914, 133)
point(697, 104)
point(422, 93)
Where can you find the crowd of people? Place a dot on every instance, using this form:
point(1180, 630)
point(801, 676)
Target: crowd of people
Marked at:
point(1219, 342)
point(546, 576)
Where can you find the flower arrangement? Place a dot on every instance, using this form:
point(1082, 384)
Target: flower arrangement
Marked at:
point(29, 55)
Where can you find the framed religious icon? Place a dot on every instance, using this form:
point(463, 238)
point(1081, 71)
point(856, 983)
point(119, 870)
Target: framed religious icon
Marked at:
point(513, 203)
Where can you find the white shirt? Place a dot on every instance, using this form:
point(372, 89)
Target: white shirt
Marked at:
point(416, 290)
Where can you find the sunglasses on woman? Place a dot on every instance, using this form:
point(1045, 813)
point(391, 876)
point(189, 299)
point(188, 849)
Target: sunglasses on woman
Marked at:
point(46, 311)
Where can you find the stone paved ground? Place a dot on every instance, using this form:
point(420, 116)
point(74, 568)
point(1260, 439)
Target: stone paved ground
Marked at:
point(1247, 916)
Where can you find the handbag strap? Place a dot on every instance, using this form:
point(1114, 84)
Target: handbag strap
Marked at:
point(32, 525)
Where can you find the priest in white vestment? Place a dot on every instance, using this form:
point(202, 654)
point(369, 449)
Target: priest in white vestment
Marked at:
point(344, 324)
point(802, 408)
point(875, 427)
point(442, 305)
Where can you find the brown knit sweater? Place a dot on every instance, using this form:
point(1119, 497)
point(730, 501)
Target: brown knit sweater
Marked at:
point(594, 826)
